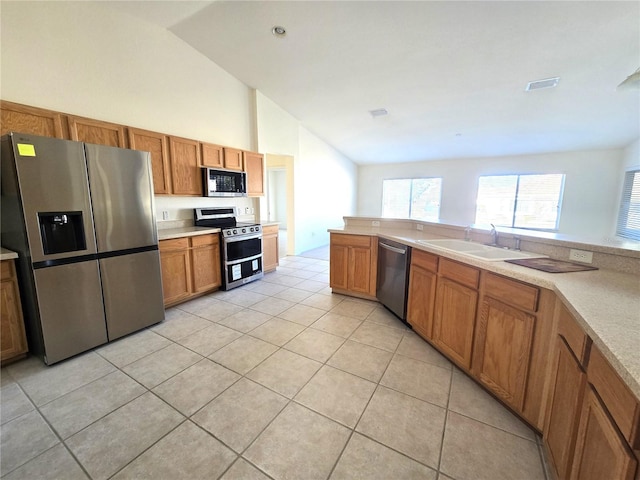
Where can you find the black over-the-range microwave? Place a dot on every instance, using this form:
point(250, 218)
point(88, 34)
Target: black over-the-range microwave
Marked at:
point(224, 183)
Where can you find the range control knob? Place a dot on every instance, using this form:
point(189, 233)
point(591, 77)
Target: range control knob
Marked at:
point(251, 229)
point(235, 232)
point(244, 230)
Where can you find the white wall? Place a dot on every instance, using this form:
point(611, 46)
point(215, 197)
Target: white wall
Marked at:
point(325, 180)
point(87, 59)
point(590, 194)
point(325, 191)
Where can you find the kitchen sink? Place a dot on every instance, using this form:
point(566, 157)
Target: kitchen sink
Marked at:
point(480, 251)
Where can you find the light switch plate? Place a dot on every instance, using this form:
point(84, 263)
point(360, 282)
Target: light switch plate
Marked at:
point(375, 223)
point(419, 226)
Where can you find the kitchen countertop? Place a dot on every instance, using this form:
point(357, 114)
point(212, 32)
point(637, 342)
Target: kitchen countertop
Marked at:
point(6, 254)
point(606, 303)
point(171, 233)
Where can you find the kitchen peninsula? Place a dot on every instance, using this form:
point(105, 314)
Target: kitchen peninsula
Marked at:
point(508, 327)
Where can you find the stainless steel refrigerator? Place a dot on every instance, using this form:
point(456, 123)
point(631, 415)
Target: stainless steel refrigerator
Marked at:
point(81, 218)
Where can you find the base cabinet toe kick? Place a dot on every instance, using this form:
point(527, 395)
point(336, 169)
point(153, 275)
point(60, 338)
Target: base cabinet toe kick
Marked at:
point(521, 343)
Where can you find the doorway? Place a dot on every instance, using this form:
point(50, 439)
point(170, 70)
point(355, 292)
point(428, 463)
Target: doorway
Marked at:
point(279, 201)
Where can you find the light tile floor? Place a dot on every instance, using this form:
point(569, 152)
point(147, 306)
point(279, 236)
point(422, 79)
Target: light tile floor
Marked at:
point(277, 379)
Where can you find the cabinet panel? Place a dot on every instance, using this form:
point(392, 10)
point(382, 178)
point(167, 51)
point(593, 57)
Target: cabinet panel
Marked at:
point(232, 158)
point(12, 335)
point(600, 449)
point(338, 265)
point(511, 292)
point(359, 277)
point(156, 144)
point(454, 320)
point(254, 166)
point(424, 260)
point(95, 131)
point(176, 270)
point(620, 402)
point(186, 178)
point(24, 119)
point(270, 248)
point(206, 264)
point(462, 274)
point(503, 350)
point(567, 389)
point(575, 337)
point(212, 155)
point(421, 300)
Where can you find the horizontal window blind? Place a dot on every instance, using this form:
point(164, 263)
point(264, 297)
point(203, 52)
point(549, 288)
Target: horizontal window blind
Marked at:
point(629, 213)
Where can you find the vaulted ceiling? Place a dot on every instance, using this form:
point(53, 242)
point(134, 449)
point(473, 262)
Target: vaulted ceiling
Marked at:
point(451, 74)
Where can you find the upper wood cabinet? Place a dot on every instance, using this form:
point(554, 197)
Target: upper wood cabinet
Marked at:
point(94, 131)
point(186, 178)
point(254, 166)
point(353, 263)
point(24, 119)
point(157, 145)
point(422, 292)
point(211, 155)
point(233, 158)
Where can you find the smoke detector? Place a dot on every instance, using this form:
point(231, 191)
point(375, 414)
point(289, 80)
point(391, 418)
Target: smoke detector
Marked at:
point(539, 84)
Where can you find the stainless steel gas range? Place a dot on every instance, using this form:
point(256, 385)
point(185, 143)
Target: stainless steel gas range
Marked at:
point(241, 245)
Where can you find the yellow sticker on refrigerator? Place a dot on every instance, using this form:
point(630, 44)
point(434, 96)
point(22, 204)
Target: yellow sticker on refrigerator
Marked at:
point(26, 150)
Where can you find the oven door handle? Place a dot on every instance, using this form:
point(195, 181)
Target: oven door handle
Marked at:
point(243, 259)
point(240, 238)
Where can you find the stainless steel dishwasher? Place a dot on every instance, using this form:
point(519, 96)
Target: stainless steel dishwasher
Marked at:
point(393, 276)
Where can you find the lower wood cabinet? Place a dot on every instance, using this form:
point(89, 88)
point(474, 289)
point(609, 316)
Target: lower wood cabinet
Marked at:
point(601, 451)
point(12, 335)
point(270, 254)
point(353, 264)
point(593, 420)
point(455, 310)
point(190, 267)
point(422, 292)
point(567, 389)
point(205, 258)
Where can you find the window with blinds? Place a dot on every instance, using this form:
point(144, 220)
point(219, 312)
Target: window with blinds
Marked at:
point(520, 201)
point(415, 198)
point(629, 213)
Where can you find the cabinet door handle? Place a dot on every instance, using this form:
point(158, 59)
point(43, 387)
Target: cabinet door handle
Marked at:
point(393, 249)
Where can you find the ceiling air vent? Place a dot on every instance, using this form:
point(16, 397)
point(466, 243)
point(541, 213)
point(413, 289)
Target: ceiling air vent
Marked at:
point(378, 112)
point(546, 83)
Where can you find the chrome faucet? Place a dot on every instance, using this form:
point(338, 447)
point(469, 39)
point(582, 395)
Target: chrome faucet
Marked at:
point(494, 235)
point(467, 234)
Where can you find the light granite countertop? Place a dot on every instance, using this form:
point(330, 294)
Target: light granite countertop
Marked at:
point(6, 254)
point(606, 303)
point(171, 233)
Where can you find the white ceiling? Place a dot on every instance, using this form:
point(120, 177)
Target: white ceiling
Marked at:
point(451, 74)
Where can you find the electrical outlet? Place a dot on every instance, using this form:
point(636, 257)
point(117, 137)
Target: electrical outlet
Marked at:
point(580, 256)
point(375, 223)
point(165, 215)
point(419, 226)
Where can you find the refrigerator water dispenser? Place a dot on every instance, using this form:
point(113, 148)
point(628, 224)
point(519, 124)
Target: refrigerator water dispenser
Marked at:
point(61, 232)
